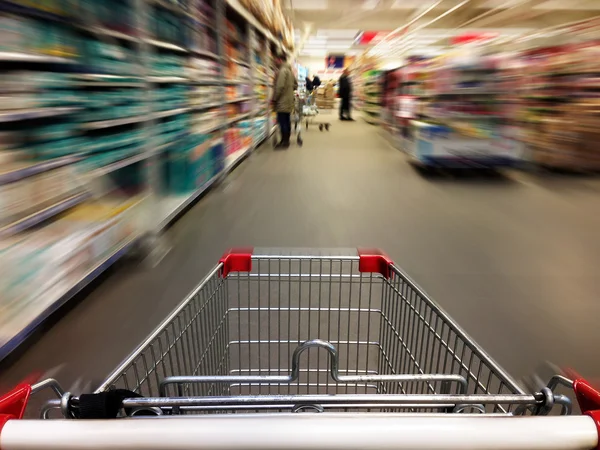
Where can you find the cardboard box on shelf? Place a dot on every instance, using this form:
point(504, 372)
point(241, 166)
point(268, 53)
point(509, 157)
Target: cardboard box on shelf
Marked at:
point(329, 91)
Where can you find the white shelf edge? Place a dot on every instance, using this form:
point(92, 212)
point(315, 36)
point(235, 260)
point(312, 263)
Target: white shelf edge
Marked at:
point(35, 58)
point(207, 106)
point(166, 45)
point(205, 53)
point(18, 174)
point(14, 115)
point(240, 99)
point(186, 201)
point(238, 118)
point(170, 112)
point(111, 167)
point(100, 124)
point(167, 79)
point(241, 154)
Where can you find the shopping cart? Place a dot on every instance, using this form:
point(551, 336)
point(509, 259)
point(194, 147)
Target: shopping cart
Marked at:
point(311, 111)
point(326, 350)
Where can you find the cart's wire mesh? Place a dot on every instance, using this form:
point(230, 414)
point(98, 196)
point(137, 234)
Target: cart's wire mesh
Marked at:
point(249, 324)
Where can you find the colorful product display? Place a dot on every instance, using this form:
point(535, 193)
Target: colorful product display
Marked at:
point(92, 123)
point(445, 111)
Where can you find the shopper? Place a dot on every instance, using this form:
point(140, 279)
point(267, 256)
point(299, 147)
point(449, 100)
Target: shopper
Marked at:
point(309, 85)
point(283, 99)
point(345, 91)
point(316, 82)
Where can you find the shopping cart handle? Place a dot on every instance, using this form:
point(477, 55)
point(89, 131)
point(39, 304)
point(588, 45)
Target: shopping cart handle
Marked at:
point(236, 260)
point(375, 261)
point(370, 260)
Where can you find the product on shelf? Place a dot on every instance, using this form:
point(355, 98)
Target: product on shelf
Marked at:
point(560, 105)
point(448, 110)
point(40, 266)
point(92, 122)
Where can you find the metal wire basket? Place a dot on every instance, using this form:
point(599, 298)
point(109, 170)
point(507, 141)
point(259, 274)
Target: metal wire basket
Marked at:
point(320, 331)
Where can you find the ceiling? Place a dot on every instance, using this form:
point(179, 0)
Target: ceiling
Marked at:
point(332, 26)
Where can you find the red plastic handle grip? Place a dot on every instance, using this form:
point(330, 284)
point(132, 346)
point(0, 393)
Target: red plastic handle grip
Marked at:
point(589, 402)
point(374, 260)
point(237, 260)
point(13, 404)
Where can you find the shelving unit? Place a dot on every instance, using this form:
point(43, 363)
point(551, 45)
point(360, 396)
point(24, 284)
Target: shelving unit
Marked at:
point(129, 119)
point(559, 103)
point(370, 96)
point(448, 111)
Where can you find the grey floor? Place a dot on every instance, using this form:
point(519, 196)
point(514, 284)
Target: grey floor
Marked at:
point(514, 259)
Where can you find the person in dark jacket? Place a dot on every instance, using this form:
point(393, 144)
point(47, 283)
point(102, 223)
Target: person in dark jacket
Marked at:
point(309, 85)
point(345, 92)
point(316, 82)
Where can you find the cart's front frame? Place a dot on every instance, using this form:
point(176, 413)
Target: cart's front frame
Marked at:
point(270, 331)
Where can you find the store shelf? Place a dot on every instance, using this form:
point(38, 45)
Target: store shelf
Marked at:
point(205, 53)
point(168, 79)
point(237, 61)
point(171, 207)
point(234, 159)
point(238, 118)
point(61, 295)
point(117, 165)
point(107, 32)
point(36, 168)
point(211, 128)
point(112, 131)
point(98, 125)
point(33, 58)
point(208, 82)
point(170, 112)
point(172, 7)
point(108, 84)
point(207, 106)
point(240, 99)
point(35, 113)
point(42, 215)
point(166, 45)
point(242, 11)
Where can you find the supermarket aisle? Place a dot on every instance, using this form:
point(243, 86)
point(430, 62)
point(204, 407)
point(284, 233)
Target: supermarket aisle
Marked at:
point(512, 259)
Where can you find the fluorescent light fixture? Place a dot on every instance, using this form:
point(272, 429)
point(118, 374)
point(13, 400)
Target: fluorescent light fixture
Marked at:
point(310, 4)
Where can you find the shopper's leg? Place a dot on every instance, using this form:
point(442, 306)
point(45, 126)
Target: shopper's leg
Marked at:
point(287, 120)
point(281, 124)
point(342, 108)
point(344, 113)
point(348, 108)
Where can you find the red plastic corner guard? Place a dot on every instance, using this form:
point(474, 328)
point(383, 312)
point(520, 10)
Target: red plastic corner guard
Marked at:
point(237, 260)
point(375, 261)
point(13, 404)
point(589, 402)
